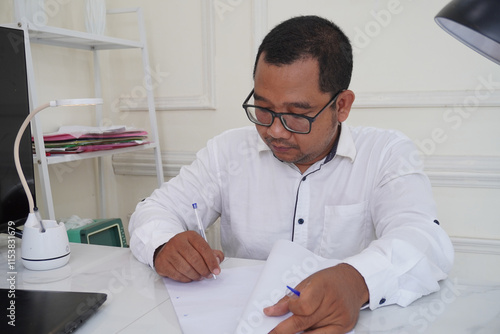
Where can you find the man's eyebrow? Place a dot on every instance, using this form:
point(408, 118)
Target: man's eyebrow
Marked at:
point(297, 104)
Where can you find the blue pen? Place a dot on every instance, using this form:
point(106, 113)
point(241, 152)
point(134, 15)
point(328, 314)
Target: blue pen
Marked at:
point(200, 227)
point(201, 230)
point(296, 293)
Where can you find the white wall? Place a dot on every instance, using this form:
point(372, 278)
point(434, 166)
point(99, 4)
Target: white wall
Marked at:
point(409, 75)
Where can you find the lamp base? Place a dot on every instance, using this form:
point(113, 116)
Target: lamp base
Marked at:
point(44, 249)
point(45, 264)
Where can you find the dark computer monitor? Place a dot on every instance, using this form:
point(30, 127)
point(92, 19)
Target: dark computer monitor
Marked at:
point(14, 107)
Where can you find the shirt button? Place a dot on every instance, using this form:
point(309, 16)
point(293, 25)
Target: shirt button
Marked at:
point(436, 221)
point(300, 221)
point(381, 301)
point(304, 178)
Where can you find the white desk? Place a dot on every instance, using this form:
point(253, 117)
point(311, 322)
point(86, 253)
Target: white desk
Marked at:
point(469, 301)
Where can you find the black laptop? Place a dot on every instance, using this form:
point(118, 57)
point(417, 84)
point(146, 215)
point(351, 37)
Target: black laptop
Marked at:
point(43, 312)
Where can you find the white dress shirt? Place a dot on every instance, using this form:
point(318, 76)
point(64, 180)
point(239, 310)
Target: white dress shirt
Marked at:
point(369, 205)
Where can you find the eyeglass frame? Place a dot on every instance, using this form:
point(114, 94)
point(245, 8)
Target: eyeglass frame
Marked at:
point(310, 119)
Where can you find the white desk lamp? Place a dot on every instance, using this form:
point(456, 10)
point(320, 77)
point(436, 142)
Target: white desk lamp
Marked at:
point(45, 243)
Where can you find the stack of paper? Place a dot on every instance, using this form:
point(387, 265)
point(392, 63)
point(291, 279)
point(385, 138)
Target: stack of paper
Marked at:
point(78, 139)
point(234, 302)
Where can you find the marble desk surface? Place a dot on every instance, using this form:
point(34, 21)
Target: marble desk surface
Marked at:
point(468, 302)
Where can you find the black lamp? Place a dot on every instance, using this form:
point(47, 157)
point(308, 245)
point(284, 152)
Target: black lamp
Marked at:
point(476, 23)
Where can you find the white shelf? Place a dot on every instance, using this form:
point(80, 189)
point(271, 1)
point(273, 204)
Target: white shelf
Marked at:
point(60, 158)
point(78, 40)
point(60, 37)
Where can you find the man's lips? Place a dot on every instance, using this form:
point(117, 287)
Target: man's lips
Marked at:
point(279, 146)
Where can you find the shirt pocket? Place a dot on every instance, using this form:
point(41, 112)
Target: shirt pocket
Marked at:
point(346, 230)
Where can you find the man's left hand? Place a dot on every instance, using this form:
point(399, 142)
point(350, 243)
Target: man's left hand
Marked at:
point(329, 302)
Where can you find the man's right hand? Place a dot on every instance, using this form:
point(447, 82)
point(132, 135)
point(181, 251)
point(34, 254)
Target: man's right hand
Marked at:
point(188, 257)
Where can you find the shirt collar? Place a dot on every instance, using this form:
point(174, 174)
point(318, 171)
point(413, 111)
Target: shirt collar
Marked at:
point(344, 146)
point(333, 151)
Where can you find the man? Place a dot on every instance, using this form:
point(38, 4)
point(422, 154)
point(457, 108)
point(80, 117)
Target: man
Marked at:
point(355, 194)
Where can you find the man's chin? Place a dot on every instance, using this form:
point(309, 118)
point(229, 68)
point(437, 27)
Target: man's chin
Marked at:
point(285, 157)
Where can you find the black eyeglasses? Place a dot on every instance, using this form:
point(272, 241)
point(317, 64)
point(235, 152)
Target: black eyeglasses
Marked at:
point(292, 122)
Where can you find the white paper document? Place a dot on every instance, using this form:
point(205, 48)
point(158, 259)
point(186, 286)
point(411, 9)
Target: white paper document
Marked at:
point(234, 302)
point(213, 306)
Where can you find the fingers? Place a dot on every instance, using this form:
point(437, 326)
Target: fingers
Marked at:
point(293, 324)
point(332, 329)
point(305, 314)
point(283, 306)
point(278, 309)
point(316, 322)
point(167, 267)
point(329, 302)
point(312, 324)
point(188, 257)
point(219, 255)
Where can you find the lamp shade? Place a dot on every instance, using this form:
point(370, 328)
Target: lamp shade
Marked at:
point(476, 23)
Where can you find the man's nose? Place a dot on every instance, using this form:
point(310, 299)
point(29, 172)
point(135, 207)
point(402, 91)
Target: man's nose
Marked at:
point(277, 129)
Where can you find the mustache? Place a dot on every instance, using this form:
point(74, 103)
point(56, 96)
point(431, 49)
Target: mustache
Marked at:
point(279, 142)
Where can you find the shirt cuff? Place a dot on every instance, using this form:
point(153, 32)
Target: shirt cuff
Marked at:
point(379, 277)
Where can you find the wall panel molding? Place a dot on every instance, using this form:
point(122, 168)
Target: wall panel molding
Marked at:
point(481, 97)
point(463, 171)
point(476, 246)
point(142, 163)
point(205, 100)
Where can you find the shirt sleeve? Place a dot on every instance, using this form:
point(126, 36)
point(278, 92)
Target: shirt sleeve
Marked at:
point(411, 252)
point(168, 211)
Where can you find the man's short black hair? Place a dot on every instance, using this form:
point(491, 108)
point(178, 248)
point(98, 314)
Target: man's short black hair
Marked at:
point(314, 37)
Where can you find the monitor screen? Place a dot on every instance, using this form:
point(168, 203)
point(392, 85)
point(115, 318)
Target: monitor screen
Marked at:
point(14, 107)
point(108, 236)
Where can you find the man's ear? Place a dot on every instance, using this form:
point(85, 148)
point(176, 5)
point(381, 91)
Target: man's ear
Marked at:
point(344, 103)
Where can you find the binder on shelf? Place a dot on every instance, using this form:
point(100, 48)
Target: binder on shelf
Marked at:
point(79, 139)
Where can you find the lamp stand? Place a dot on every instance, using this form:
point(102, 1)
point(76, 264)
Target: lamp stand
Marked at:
point(45, 243)
point(44, 246)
